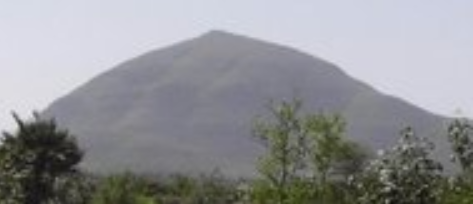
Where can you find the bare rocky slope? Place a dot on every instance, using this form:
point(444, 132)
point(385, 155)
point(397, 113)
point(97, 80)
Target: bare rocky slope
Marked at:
point(189, 107)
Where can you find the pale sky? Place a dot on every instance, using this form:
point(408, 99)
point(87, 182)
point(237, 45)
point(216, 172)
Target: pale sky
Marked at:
point(418, 50)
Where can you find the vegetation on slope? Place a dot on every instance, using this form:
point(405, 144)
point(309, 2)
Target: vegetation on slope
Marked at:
point(308, 160)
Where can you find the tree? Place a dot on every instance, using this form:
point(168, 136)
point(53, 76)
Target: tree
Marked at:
point(303, 152)
point(404, 175)
point(283, 137)
point(460, 188)
point(460, 133)
point(33, 158)
point(330, 154)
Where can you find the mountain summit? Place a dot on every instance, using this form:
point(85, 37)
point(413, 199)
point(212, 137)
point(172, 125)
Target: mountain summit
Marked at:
point(189, 107)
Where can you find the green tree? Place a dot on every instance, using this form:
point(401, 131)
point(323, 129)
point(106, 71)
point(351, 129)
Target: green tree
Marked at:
point(331, 156)
point(304, 154)
point(33, 158)
point(283, 137)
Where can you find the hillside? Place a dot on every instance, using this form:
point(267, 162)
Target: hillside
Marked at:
point(189, 107)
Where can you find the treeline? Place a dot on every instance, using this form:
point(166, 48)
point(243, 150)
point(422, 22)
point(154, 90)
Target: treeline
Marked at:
point(308, 160)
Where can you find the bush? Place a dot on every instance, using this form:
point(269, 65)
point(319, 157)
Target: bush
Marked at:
point(123, 189)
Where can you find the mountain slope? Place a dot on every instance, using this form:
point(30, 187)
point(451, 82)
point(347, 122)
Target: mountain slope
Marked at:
point(189, 107)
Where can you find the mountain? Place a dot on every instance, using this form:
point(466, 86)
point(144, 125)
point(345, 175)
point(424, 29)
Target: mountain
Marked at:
point(189, 107)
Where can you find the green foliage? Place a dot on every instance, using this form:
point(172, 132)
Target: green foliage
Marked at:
point(123, 189)
point(304, 154)
point(283, 139)
point(456, 191)
point(330, 156)
point(217, 190)
point(208, 189)
point(260, 192)
point(307, 161)
point(325, 145)
point(183, 186)
point(32, 160)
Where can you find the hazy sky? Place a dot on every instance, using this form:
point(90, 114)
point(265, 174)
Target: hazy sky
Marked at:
point(419, 50)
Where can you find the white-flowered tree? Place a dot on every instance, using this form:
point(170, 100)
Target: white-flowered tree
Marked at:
point(459, 189)
point(403, 175)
